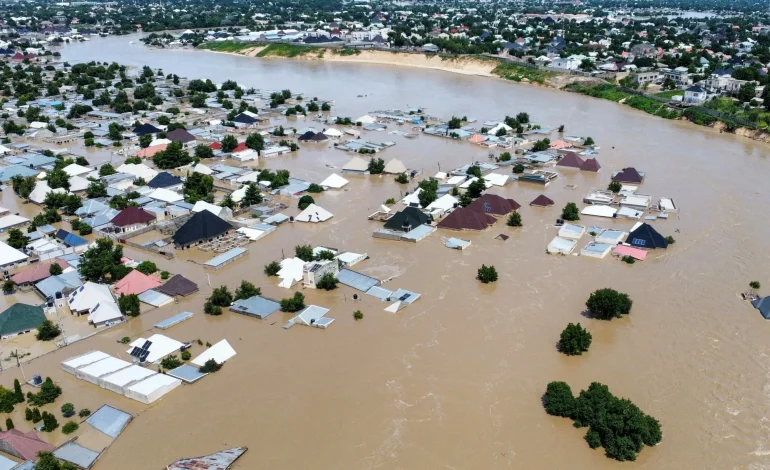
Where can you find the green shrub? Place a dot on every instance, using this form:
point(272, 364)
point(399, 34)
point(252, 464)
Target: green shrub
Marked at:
point(70, 427)
point(570, 212)
point(574, 340)
point(606, 304)
point(487, 274)
point(358, 315)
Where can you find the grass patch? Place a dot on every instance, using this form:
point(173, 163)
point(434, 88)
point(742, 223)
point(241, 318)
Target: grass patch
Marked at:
point(605, 92)
point(667, 95)
point(346, 51)
point(289, 51)
point(225, 46)
point(651, 106)
point(517, 73)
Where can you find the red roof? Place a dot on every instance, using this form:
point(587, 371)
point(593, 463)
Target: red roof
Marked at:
point(37, 272)
point(467, 219)
point(216, 146)
point(240, 148)
point(132, 216)
point(542, 201)
point(24, 445)
point(135, 283)
point(494, 205)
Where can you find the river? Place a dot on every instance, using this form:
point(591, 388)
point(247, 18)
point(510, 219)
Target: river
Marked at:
point(455, 380)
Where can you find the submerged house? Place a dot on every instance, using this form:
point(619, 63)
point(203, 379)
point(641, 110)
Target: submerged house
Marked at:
point(202, 226)
point(356, 165)
point(646, 237)
point(19, 319)
point(628, 176)
point(542, 201)
point(407, 220)
point(131, 219)
point(494, 205)
point(466, 218)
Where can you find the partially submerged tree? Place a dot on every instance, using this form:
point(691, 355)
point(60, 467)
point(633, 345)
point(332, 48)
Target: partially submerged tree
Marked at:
point(129, 305)
point(246, 290)
point(327, 282)
point(514, 220)
point(606, 304)
point(574, 340)
point(47, 331)
point(570, 212)
point(487, 274)
point(294, 303)
point(305, 201)
point(272, 268)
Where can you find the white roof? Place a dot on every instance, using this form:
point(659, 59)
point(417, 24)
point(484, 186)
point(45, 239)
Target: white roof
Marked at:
point(394, 166)
point(573, 231)
point(599, 211)
point(445, 202)
point(159, 142)
point(88, 295)
point(314, 214)
point(470, 181)
point(165, 195)
point(440, 175)
point(496, 179)
point(611, 237)
point(365, 119)
point(74, 169)
point(85, 359)
point(104, 311)
point(139, 170)
point(291, 272)
point(245, 155)
point(151, 384)
point(412, 198)
point(41, 191)
point(455, 180)
point(128, 375)
point(251, 233)
point(11, 221)
point(561, 245)
point(220, 352)
point(334, 181)
point(219, 211)
point(78, 183)
point(350, 258)
point(332, 132)
point(9, 255)
point(238, 194)
point(103, 367)
point(250, 177)
point(161, 346)
point(499, 126)
point(203, 169)
point(356, 164)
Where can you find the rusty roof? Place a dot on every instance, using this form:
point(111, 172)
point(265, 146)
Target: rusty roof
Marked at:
point(217, 461)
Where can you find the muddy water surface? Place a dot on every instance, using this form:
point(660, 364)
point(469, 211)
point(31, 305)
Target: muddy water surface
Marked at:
point(455, 380)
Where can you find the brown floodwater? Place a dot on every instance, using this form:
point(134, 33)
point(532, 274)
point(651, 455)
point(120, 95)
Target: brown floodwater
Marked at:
point(455, 380)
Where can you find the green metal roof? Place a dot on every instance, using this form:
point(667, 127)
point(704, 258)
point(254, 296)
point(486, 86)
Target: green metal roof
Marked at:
point(20, 317)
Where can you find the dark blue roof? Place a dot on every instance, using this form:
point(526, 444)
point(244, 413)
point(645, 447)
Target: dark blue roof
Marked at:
point(244, 119)
point(70, 238)
point(164, 180)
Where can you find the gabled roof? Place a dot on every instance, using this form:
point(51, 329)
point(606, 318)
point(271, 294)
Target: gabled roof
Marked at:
point(132, 216)
point(9, 255)
point(410, 217)
point(178, 285)
point(70, 238)
point(20, 317)
point(24, 445)
point(88, 296)
point(164, 179)
point(37, 272)
point(136, 282)
point(542, 201)
point(494, 204)
point(145, 129)
point(202, 225)
point(180, 135)
point(646, 237)
point(467, 219)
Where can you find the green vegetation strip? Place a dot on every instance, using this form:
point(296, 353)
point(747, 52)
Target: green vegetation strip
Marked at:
point(517, 73)
point(225, 46)
point(289, 51)
point(642, 103)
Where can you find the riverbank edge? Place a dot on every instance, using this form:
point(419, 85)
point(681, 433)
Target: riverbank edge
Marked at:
point(489, 67)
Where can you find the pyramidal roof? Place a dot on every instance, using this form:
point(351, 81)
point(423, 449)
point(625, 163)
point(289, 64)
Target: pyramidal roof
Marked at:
point(201, 226)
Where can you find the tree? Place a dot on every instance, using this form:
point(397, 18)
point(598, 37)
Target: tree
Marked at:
point(107, 170)
point(487, 274)
point(36, 416)
point(114, 132)
point(476, 188)
point(47, 331)
point(49, 422)
point(173, 156)
point(455, 123)
point(228, 202)
point(558, 400)
point(221, 297)
point(541, 145)
point(252, 196)
point(570, 212)
point(211, 309)
point(129, 305)
point(358, 315)
point(514, 220)
point(85, 412)
point(145, 140)
point(474, 170)
point(402, 178)
point(210, 366)
point(587, 65)
point(198, 187)
point(95, 190)
point(315, 188)
point(170, 362)
point(376, 166)
point(70, 427)
point(203, 151)
point(17, 239)
point(574, 340)
point(754, 285)
point(7, 400)
point(614, 186)
point(327, 282)
point(186, 355)
point(747, 92)
point(294, 303)
point(8, 286)
point(101, 263)
point(305, 201)
point(9, 424)
point(28, 414)
point(22, 186)
point(67, 410)
point(669, 84)
point(55, 269)
point(272, 268)
point(247, 290)
point(229, 142)
point(606, 304)
point(58, 178)
point(147, 267)
point(304, 252)
point(17, 393)
point(255, 142)
point(522, 118)
point(47, 461)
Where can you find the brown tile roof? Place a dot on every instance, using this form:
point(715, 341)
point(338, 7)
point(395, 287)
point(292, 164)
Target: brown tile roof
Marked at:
point(37, 272)
point(628, 175)
point(467, 219)
point(591, 165)
point(494, 204)
point(23, 445)
point(571, 160)
point(542, 201)
point(132, 216)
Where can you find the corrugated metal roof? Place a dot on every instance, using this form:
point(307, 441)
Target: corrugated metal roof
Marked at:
point(356, 280)
point(111, 421)
point(217, 461)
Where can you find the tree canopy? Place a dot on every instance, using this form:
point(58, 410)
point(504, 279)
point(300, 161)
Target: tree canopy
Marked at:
point(487, 274)
point(101, 263)
point(574, 340)
point(606, 304)
point(198, 187)
point(173, 156)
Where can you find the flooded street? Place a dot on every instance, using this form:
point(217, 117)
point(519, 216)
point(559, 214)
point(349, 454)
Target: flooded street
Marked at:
point(455, 380)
